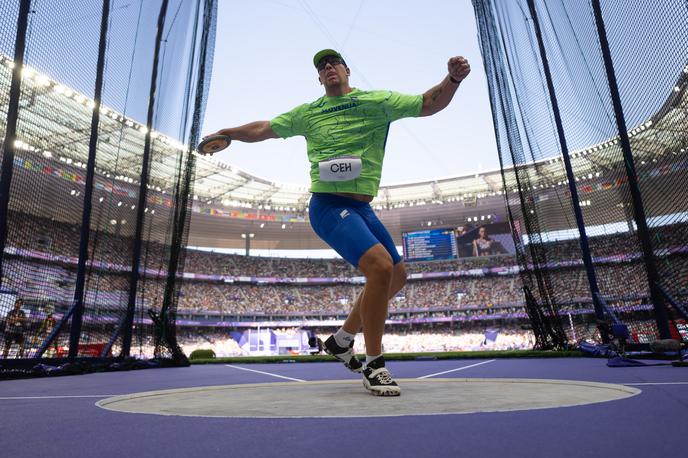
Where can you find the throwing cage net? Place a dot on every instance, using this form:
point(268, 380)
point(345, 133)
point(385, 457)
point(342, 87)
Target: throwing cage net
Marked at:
point(100, 101)
point(590, 107)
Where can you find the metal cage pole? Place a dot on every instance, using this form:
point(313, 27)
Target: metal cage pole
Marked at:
point(181, 208)
point(658, 302)
point(11, 128)
point(143, 188)
point(580, 222)
point(78, 303)
point(546, 326)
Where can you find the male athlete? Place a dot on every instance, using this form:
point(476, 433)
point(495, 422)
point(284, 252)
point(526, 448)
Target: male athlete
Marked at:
point(346, 131)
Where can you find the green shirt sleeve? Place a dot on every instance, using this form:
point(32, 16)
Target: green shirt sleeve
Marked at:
point(398, 106)
point(291, 123)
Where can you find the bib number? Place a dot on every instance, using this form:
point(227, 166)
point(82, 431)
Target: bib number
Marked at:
point(344, 168)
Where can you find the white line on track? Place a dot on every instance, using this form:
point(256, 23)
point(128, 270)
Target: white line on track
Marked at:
point(265, 373)
point(7, 398)
point(457, 369)
point(656, 383)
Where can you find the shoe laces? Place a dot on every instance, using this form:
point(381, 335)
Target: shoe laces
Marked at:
point(384, 376)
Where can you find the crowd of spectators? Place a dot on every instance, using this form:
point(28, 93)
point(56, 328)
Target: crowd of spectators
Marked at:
point(115, 246)
point(54, 281)
point(455, 293)
point(47, 283)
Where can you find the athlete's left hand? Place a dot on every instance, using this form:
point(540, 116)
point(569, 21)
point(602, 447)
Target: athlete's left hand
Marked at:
point(458, 67)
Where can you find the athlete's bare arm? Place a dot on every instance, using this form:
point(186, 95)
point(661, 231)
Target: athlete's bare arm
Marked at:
point(250, 133)
point(438, 97)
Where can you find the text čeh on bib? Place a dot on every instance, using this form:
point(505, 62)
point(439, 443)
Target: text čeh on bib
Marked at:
point(342, 168)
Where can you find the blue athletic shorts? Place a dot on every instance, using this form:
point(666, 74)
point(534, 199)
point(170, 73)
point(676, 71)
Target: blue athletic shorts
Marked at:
point(349, 226)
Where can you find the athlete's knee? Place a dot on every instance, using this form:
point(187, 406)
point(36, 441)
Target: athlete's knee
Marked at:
point(376, 264)
point(381, 268)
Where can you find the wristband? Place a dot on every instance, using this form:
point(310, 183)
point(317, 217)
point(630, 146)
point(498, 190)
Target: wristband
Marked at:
point(451, 78)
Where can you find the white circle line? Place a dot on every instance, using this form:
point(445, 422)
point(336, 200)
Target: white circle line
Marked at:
point(631, 392)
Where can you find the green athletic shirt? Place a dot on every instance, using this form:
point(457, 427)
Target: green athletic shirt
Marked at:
point(355, 124)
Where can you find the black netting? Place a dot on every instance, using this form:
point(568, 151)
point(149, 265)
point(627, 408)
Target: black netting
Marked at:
point(553, 98)
point(82, 293)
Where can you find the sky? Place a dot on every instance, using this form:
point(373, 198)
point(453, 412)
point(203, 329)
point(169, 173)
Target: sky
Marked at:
point(263, 67)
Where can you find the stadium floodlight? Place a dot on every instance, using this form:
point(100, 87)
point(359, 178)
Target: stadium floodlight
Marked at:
point(43, 80)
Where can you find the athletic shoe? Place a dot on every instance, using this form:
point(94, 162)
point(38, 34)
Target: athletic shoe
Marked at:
point(378, 380)
point(345, 355)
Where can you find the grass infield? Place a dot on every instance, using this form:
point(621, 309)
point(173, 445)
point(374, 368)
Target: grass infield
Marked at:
point(396, 356)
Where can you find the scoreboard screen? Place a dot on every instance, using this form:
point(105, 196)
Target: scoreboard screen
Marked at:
point(430, 245)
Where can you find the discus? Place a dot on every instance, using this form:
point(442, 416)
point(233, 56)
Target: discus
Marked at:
point(213, 144)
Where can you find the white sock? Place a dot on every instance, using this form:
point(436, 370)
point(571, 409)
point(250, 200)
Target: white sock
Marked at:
point(369, 358)
point(343, 338)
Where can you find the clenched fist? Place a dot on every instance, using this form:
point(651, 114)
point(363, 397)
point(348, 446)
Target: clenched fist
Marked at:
point(458, 68)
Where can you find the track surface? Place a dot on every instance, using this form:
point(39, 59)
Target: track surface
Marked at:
point(58, 416)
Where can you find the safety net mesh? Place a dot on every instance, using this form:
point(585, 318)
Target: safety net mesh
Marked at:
point(97, 172)
point(562, 75)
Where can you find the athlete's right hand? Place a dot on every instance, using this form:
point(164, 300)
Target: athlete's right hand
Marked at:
point(214, 143)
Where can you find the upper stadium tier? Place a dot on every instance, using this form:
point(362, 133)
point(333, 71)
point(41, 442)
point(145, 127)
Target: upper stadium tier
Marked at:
point(54, 130)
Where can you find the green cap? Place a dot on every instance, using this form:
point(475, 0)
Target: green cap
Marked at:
point(325, 52)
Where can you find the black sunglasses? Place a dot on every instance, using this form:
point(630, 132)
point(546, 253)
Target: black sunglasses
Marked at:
point(332, 60)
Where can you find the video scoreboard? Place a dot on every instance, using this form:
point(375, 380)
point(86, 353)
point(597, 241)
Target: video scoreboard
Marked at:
point(429, 245)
